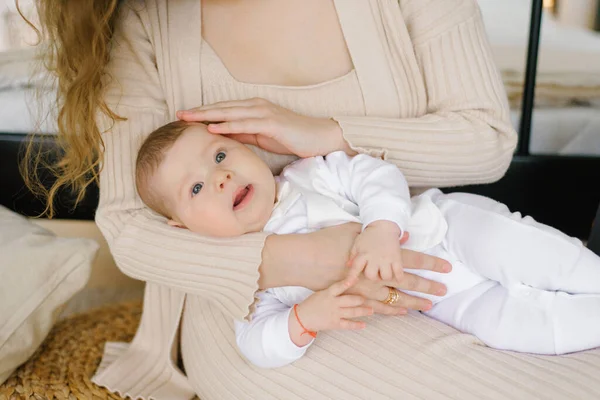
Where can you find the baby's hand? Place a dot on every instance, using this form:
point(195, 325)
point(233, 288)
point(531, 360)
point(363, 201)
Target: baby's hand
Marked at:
point(332, 309)
point(376, 251)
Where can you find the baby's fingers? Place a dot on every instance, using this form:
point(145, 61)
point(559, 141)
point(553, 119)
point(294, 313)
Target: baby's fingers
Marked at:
point(398, 270)
point(352, 256)
point(340, 287)
point(386, 272)
point(355, 312)
point(358, 265)
point(372, 271)
point(404, 237)
point(350, 300)
point(350, 325)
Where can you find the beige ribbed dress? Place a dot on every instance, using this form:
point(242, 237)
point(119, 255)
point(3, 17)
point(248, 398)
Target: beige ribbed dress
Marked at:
point(423, 93)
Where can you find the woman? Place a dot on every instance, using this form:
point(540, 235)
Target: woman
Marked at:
point(411, 81)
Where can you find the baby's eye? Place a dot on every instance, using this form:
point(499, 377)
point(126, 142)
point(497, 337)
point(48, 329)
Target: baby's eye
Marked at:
point(196, 189)
point(220, 157)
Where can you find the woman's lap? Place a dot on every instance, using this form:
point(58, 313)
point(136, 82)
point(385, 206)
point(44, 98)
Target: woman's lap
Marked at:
point(395, 357)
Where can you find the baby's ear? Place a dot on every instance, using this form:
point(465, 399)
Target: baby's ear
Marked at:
point(175, 223)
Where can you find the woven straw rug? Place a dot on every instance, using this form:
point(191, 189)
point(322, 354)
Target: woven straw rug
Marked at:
point(63, 365)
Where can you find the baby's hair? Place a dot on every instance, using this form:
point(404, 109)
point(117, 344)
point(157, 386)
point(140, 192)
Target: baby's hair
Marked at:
point(149, 157)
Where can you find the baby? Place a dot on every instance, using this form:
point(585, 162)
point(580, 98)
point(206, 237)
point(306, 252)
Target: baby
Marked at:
point(516, 284)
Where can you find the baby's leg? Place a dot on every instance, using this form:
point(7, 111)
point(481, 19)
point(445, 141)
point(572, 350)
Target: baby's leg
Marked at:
point(507, 248)
point(524, 319)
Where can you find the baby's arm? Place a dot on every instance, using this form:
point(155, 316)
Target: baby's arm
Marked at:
point(378, 188)
point(382, 195)
point(265, 341)
point(279, 335)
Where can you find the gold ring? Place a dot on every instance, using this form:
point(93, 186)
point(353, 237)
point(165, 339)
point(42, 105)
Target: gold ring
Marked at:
point(393, 296)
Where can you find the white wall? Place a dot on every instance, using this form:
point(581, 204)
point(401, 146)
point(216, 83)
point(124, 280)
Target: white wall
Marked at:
point(580, 13)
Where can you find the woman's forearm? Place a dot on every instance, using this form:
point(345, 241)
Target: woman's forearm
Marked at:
point(300, 260)
point(278, 267)
point(318, 259)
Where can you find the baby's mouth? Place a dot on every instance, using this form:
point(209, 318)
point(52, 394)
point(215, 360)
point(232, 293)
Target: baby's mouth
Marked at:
point(242, 196)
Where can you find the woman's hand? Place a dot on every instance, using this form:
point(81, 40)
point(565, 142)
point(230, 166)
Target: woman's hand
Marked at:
point(375, 292)
point(318, 259)
point(270, 127)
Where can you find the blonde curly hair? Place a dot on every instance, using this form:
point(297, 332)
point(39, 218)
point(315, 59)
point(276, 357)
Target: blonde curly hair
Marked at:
point(75, 39)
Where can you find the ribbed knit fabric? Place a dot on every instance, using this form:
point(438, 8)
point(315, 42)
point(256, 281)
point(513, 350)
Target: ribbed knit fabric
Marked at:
point(425, 94)
point(409, 357)
point(339, 96)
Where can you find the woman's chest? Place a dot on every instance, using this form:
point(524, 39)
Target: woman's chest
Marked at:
point(380, 76)
point(288, 43)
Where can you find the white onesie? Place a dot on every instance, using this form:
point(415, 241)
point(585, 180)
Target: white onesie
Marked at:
point(515, 283)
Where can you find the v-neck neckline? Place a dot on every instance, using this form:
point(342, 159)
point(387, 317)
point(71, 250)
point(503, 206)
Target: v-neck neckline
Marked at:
point(230, 76)
point(364, 28)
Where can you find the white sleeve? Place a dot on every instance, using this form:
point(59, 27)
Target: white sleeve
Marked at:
point(265, 341)
point(378, 188)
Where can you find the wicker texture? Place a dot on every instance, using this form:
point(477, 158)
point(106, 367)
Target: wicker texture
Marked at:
point(63, 365)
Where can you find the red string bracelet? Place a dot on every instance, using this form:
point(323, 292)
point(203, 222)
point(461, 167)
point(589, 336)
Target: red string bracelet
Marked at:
point(311, 333)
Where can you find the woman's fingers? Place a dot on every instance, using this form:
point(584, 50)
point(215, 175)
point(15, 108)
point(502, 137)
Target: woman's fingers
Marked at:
point(413, 302)
point(385, 309)
point(224, 104)
point(224, 114)
point(417, 260)
point(419, 284)
point(405, 301)
point(252, 126)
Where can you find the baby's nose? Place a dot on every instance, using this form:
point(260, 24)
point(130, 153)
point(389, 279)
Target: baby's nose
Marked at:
point(226, 177)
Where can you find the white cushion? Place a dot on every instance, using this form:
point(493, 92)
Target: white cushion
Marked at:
point(39, 273)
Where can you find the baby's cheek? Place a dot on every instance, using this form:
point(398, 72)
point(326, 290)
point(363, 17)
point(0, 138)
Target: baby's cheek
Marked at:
point(217, 223)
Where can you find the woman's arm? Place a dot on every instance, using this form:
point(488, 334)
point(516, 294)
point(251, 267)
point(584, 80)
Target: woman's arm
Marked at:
point(266, 341)
point(466, 137)
point(143, 245)
point(317, 260)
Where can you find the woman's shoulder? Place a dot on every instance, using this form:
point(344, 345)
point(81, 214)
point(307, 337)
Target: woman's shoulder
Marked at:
point(155, 20)
point(150, 12)
point(161, 17)
point(427, 18)
point(423, 5)
point(127, 7)
point(132, 14)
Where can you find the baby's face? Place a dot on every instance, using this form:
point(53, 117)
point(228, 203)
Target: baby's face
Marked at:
point(214, 185)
